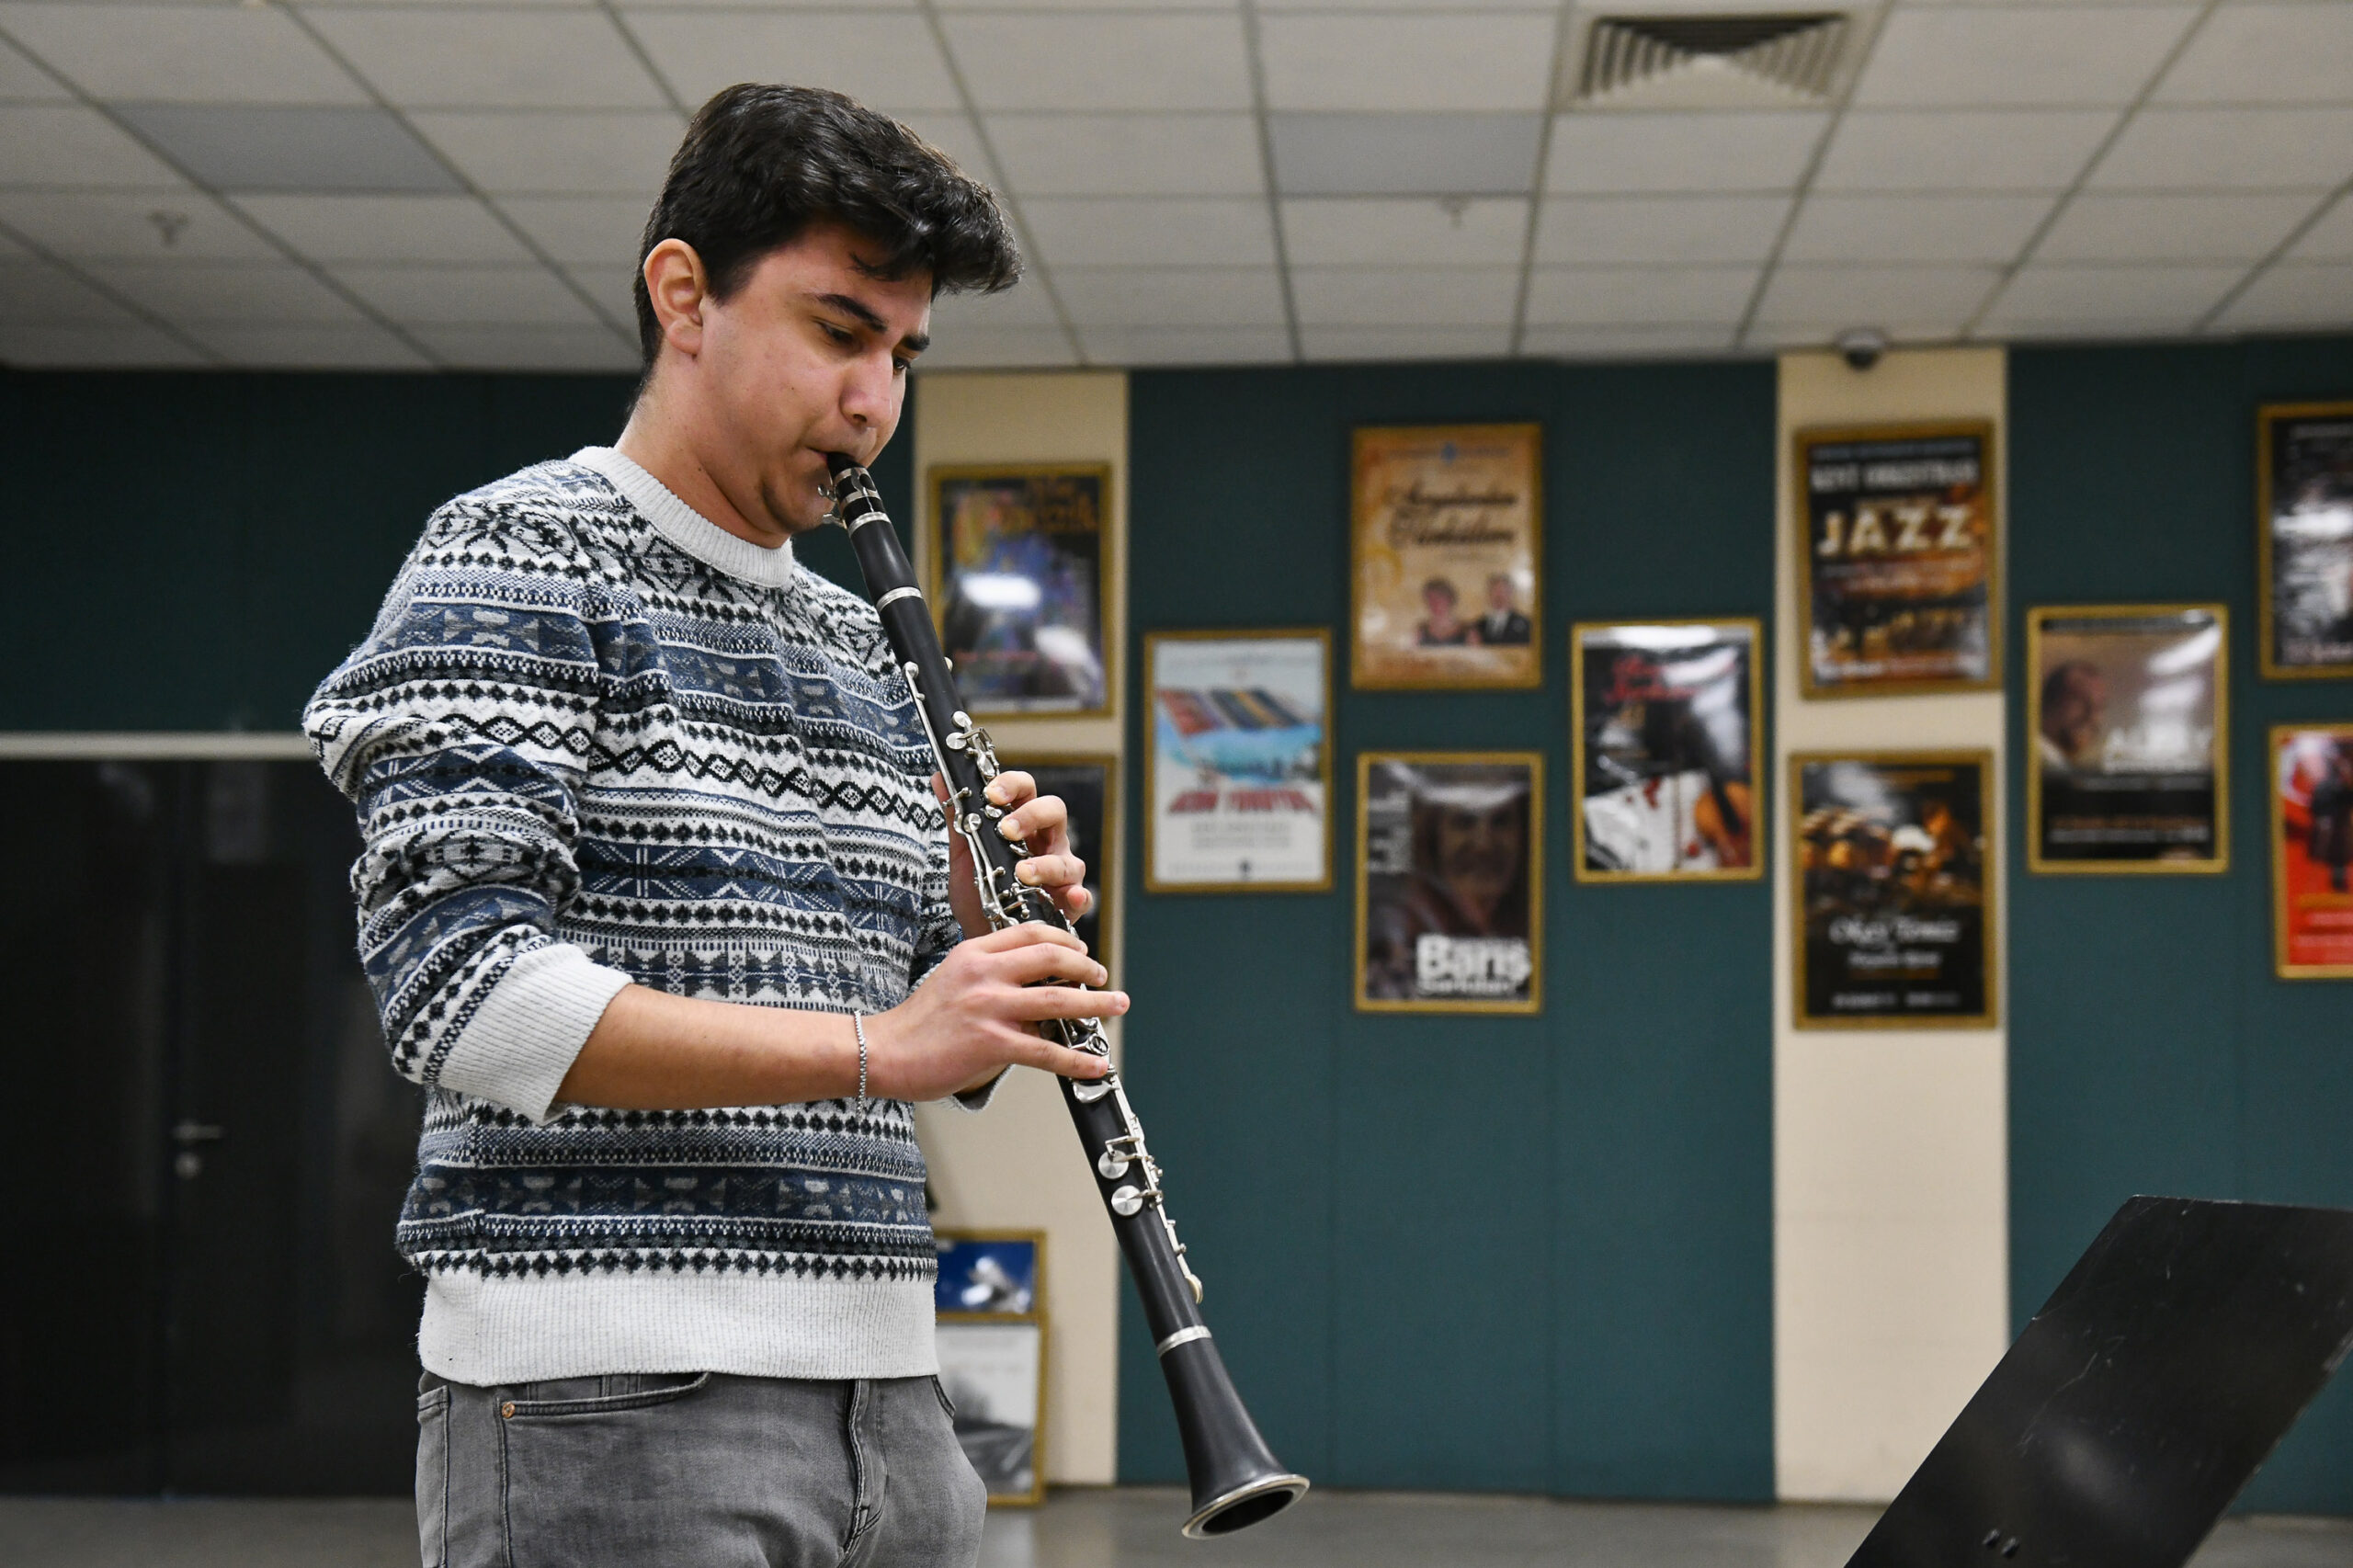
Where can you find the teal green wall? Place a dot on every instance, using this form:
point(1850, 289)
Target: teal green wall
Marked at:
point(1528, 1255)
point(195, 551)
point(2151, 1048)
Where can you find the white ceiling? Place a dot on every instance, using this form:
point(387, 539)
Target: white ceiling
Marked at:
point(420, 183)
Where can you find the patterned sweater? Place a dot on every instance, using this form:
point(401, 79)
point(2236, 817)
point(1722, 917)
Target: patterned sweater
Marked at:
point(594, 738)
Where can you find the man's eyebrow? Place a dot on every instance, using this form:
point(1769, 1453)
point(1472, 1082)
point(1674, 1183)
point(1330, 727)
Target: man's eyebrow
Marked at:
point(859, 312)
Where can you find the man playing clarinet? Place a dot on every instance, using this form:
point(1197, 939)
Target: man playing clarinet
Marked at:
point(657, 903)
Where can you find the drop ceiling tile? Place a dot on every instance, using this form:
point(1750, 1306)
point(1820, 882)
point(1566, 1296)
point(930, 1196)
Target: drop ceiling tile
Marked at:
point(1914, 228)
point(68, 146)
point(1774, 337)
point(555, 152)
point(1962, 149)
point(1347, 343)
point(1128, 346)
point(614, 288)
point(289, 146)
point(34, 290)
point(1595, 153)
point(1598, 297)
point(1177, 230)
point(1976, 57)
point(521, 347)
point(1001, 348)
point(42, 346)
point(1128, 154)
point(430, 57)
point(1909, 302)
point(1624, 342)
point(1070, 5)
point(132, 225)
point(2172, 228)
point(188, 291)
point(953, 135)
point(1678, 230)
point(2266, 54)
point(21, 81)
point(1404, 154)
point(1426, 5)
point(360, 346)
point(2170, 298)
point(183, 53)
point(460, 296)
point(1361, 60)
point(587, 231)
point(2230, 148)
point(1403, 231)
point(886, 59)
point(2300, 298)
point(1025, 304)
point(2330, 239)
point(1082, 61)
point(1405, 296)
point(386, 228)
point(1171, 297)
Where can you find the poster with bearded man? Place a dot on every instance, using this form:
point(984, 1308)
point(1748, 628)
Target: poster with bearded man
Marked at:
point(1449, 901)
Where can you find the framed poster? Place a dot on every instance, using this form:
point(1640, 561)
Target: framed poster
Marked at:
point(1667, 725)
point(992, 1338)
point(1449, 885)
point(2128, 706)
point(1894, 896)
point(1445, 522)
point(1016, 568)
point(2304, 511)
point(2311, 850)
point(1237, 761)
point(1089, 786)
point(1899, 572)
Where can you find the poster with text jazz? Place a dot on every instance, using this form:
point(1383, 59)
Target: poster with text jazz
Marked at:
point(1899, 573)
point(2311, 850)
point(1449, 907)
point(2306, 464)
point(1894, 888)
point(2127, 704)
point(1018, 560)
point(1237, 773)
point(1444, 527)
point(1668, 732)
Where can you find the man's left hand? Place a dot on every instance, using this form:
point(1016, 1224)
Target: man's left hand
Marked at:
point(1043, 822)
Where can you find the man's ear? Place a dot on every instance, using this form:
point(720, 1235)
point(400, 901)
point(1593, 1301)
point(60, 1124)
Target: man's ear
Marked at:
point(675, 283)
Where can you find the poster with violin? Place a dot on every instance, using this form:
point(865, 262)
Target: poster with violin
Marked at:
point(1667, 725)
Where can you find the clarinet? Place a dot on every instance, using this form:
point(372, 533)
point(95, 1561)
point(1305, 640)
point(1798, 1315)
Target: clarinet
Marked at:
point(1236, 1480)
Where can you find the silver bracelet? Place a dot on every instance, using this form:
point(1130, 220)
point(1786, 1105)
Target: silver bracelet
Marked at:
point(857, 1022)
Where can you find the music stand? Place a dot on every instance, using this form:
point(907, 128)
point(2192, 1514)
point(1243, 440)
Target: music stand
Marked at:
point(2163, 1369)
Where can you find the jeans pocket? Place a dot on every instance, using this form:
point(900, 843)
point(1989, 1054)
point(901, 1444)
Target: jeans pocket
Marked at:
point(946, 1404)
point(433, 1477)
point(637, 1391)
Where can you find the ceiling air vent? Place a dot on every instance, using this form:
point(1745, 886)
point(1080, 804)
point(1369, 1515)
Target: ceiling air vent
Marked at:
point(1742, 59)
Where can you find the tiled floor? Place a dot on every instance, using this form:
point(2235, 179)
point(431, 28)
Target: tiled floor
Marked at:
point(1130, 1528)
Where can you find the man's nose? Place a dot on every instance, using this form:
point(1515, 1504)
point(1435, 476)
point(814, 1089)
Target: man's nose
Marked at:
point(869, 391)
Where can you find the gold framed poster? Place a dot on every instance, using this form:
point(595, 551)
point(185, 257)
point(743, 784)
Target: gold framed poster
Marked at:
point(990, 1302)
point(1445, 524)
point(1088, 786)
point(2128, 709)
point(1893, 914)
point(1667, 727)
point(1237, 772)
point(1899, 578)
point(2304, 519)
point(1018, 569)
point(1450, 881)
point(2312, 851)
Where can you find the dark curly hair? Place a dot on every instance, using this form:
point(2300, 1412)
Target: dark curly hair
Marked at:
point(760, 163)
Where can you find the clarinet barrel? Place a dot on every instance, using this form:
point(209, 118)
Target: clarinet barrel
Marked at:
point(1237, 1481)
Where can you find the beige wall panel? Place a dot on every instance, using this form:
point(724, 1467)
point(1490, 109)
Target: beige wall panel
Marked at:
point(1017, 1165)
point(1891, 1173)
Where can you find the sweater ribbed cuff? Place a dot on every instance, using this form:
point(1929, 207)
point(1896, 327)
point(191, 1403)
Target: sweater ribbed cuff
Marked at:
point(529, 1030)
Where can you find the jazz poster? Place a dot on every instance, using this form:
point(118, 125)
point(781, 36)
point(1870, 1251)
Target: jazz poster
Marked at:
point(2305, 467)
point(1088, 787)
point(1895, 890)
point(2128, 706)
point(1449, 897)
point(1898, 530)
point(2311, 850)
point(1237, 767)
point(1018, 562)
point(1668, 730)
point(1444, 524)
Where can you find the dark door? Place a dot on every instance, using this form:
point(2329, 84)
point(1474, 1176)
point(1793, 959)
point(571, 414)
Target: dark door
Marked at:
point(205, 1298)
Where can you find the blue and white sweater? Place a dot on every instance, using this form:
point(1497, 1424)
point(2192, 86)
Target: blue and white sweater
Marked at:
point(594, 738)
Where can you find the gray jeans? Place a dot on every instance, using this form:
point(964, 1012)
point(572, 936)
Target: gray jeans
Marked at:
point(701, 1470)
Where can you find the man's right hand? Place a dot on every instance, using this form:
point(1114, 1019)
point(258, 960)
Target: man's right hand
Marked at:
point(974, 1016)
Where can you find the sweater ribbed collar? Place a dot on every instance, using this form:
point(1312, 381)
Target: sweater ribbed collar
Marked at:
point(769, 567)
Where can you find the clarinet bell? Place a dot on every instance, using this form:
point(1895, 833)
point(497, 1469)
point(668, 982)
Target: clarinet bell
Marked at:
point(1236, 1480)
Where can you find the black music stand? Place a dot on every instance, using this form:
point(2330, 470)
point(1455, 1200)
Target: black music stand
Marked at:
point(2163, 1369)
